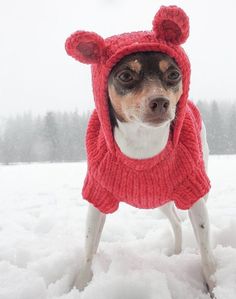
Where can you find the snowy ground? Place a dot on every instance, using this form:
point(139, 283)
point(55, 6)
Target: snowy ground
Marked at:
point(42, 222)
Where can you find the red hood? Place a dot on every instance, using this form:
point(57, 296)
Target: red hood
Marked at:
point(170, 30)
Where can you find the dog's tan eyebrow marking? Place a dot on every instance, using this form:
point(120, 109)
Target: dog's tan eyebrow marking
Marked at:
point(135, 65)
point(164, 65)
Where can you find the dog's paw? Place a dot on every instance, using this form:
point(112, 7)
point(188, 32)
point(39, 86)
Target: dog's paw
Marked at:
point(209, 269)
point(84, 277)
point(210, 288)
point(211, 291)
point(178, 249)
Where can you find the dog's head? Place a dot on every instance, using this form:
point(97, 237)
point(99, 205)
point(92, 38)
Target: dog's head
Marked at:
point(157, 81)
point(145, 87)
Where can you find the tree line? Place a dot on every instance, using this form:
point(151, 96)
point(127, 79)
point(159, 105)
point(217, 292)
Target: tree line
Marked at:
point(57, 137)
point(220, 122)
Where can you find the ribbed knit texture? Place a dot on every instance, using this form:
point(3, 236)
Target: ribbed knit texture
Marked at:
point(178, 172)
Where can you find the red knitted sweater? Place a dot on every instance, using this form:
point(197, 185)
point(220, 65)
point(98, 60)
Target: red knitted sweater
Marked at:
point(178, 172)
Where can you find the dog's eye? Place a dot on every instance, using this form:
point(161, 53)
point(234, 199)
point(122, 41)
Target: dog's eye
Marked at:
point(125, 76)
point(173, 75)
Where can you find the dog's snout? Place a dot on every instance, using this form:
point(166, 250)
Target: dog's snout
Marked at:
point(159, 105)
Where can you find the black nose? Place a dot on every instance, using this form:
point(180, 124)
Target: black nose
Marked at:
point(159, 105)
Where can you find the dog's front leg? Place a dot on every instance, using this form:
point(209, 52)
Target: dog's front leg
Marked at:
point(169, 210)
point(95, 223)
point(200, 222)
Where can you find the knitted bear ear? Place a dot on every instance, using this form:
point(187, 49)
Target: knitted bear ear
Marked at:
point(171, 24)
point(86, 47)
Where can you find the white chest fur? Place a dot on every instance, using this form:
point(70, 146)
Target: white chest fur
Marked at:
point(141, 142)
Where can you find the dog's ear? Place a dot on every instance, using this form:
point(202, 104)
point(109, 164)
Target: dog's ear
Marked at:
point(171, 24)
point(86, 47)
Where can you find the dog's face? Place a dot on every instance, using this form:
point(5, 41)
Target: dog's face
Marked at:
point(145, 87)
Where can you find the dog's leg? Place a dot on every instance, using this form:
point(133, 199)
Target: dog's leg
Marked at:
point(200, 222)
point(170, 212)
point(95, 223)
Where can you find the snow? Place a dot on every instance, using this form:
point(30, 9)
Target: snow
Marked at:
point(42, 223)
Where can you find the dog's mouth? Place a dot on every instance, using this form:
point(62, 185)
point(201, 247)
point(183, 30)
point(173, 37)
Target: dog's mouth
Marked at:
point(157, 122)
point(152, 120)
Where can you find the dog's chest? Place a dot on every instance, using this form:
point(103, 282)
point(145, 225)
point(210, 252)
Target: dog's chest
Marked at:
point(139, 142)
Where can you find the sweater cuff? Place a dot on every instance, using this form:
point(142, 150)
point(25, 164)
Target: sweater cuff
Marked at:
point(95, 194)
point(193, 188)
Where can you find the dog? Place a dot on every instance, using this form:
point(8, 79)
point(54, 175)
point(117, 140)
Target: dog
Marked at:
point(146, 142)
point(144, 90)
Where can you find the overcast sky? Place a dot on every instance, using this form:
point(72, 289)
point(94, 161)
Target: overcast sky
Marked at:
point(36, 74)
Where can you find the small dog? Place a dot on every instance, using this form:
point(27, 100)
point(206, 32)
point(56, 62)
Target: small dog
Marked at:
point(146, 145)
point(144, 90)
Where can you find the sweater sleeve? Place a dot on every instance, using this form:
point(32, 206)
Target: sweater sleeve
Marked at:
point(191, 189)
point(94, 193)
point(196, 184)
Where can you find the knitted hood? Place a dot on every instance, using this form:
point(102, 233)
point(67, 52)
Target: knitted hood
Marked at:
point(170, 30)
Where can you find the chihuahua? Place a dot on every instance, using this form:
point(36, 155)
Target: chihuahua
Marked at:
point(144, 89)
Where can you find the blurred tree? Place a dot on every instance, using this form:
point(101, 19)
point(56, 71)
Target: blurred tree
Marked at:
point(50, 133)
point(25, 132)
point(232, 131)
point(9, 143)
point(216, 134)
